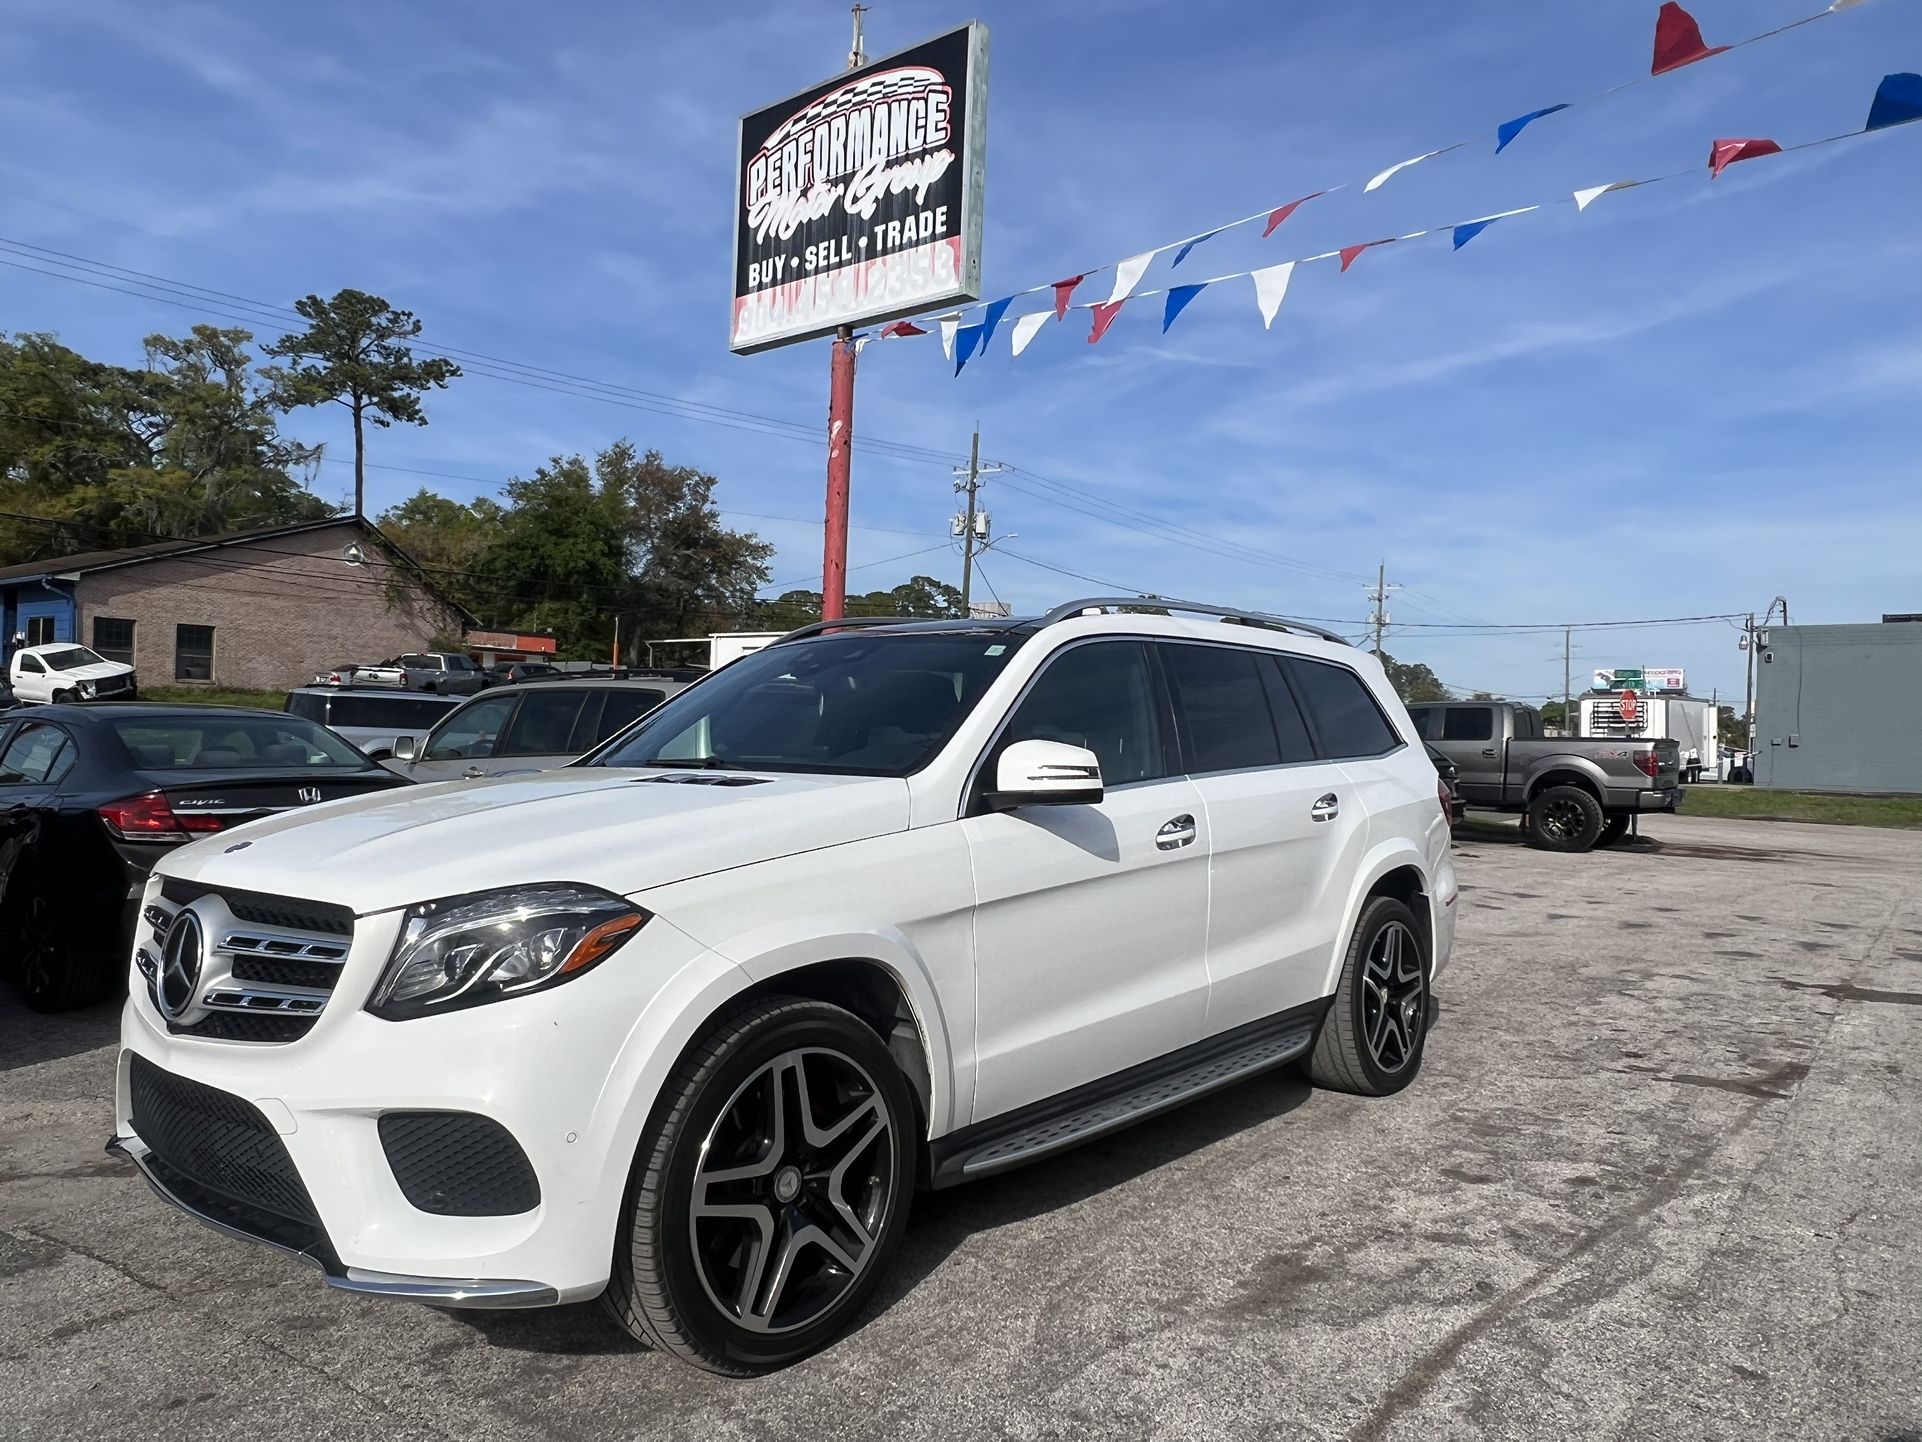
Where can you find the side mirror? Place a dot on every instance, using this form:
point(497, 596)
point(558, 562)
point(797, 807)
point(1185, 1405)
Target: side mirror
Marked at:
point(406, 748)
point(1045, 773)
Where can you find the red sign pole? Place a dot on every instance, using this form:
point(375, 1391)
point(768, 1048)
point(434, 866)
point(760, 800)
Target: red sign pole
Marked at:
point(834, 557)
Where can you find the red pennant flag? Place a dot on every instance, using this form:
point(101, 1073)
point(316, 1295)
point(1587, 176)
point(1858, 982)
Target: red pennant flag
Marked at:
point(901, 327)
point(1276, 217)
point(1724, 153)
point(1678, 41)
point(1062, 290)
point(1349, 252)
point(1104, 314)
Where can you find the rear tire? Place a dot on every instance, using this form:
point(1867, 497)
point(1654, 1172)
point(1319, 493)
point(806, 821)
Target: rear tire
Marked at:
point(775, 1173)
point(1371, 1041)
point(56, 968)
point(1564, 818)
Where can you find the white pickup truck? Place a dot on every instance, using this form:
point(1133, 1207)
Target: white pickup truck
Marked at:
point(62, 671)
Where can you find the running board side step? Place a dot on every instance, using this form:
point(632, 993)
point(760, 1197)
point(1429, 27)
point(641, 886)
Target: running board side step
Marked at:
point(1091, 1111)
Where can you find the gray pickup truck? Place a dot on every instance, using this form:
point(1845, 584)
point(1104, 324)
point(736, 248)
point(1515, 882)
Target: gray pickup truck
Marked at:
point(1575, 792)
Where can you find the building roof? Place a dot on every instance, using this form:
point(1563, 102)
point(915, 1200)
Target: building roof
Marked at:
point(86, 561)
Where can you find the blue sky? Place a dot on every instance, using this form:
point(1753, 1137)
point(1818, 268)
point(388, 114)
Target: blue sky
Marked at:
point(1686, 400)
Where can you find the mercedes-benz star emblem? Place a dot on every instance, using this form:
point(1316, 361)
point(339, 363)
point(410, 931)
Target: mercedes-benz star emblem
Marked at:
point(180, 962)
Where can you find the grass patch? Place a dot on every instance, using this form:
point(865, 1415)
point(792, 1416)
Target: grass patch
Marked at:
point(215, 696)
point(1764, 805)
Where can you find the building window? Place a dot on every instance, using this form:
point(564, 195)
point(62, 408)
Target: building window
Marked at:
point(39, 630)
point(193, 653)
point(113, 638)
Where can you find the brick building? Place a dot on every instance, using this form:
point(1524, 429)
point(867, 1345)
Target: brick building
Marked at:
point(265, 608)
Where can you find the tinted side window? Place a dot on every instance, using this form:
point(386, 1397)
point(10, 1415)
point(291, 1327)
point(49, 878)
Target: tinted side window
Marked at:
point(400, 712)
point(622, 709)
point(1346, 717)
point(1468, 723)
point(543, 724)
point(1419, 715)
point(1223, 708)
point(472, 731)
point(1291, 727)
point(306, 703)
point(1101, 696)
point(38, 754)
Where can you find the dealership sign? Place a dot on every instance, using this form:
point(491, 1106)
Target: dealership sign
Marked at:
point(860, 199)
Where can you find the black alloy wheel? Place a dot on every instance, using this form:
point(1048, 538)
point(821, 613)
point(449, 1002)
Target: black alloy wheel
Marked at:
point(770, 1188)
point(58, 964)
point(1372, 1039)
point(1564, 818)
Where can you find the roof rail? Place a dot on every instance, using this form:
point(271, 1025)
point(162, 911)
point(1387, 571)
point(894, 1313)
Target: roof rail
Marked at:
point(1161, 603)
point(815, 628)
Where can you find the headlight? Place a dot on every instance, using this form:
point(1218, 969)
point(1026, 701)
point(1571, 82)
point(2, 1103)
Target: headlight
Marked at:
point(467, 950)
point(87, 688)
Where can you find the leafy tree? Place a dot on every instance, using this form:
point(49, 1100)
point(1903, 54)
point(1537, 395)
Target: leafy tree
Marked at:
point(1732, 727)
point(442, 534)
point(354, 353)
point(1413, 681)
point(922, 597)
point(185, 445)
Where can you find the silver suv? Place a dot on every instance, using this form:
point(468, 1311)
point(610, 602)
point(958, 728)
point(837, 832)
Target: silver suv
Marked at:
point(531, 726)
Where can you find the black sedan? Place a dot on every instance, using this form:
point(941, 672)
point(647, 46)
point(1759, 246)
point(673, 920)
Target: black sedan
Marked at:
point(92, 796)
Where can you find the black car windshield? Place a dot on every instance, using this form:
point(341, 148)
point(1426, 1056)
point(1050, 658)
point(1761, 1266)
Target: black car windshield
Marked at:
point(71, 657)
point(234, 743)
point(854, 703)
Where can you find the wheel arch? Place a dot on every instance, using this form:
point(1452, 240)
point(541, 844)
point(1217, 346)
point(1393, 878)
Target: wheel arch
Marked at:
point(1395, 869)
point(1563, 776)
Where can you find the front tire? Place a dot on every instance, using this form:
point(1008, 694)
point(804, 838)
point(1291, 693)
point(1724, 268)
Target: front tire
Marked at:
point(57, 967)
point(1564, 818)
point(1371, 1041)
point(770, 1189)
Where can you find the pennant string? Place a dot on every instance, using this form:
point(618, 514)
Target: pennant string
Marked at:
point(1266, 213)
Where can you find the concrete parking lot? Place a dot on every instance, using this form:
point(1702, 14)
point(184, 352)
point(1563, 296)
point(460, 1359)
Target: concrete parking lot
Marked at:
point(1661, 1178)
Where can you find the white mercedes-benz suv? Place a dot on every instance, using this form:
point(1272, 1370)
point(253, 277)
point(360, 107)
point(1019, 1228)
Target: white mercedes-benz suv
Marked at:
point(886, 905)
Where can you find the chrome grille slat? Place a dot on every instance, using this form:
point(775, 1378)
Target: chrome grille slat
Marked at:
point(254, 944)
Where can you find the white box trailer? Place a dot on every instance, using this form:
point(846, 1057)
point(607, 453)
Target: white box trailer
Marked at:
point(1688, 721)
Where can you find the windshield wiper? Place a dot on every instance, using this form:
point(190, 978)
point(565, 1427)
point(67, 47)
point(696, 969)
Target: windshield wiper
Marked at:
point(696, 763)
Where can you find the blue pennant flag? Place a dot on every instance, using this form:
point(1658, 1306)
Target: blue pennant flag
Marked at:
point(1466, 233)
point(967, 340)
point(1178, 298)
point(1509, 129)
point(990, 318)
point(1182, 254)
point(1898, 100)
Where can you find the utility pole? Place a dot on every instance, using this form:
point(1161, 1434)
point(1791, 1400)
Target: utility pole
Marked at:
point(1569, 725)
point(1378, 618)
point(1748, 701)
point(834, 543)
point(972, 524)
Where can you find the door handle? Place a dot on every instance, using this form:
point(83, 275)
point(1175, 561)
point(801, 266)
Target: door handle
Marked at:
point(1326, 809)
point(473, 773)
point(1489, 751)
point(1175, 833)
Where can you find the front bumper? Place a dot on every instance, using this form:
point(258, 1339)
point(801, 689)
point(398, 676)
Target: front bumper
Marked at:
point(570, 1074)
point(216, 1212)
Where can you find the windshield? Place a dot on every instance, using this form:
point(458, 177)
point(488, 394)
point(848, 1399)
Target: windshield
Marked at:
point(71, 657)
point(237, 743)
point(854, 703)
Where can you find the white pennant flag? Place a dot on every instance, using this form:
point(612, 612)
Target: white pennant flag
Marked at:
point(1026, 326)
point(1403, 165)
point(1270, 286)
point(1586, 198)
point(1127, 275)
point(949, 325)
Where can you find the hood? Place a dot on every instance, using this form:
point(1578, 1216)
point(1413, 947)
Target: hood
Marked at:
point(622, 830)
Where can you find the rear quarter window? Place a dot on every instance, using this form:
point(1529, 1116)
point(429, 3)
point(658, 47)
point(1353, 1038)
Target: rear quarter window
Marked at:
point(1468, 723)
point(1346, 717)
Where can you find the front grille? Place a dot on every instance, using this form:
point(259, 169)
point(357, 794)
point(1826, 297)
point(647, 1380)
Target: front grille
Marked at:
point(275, 972)
point(264, 986)
point(217, 1140)
point(238, 1026)
point(457, 1164)
point(284, 911)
